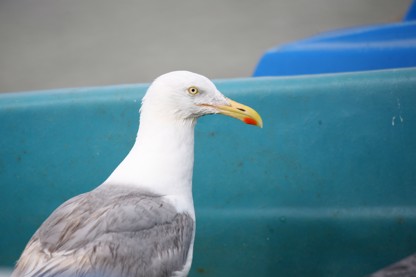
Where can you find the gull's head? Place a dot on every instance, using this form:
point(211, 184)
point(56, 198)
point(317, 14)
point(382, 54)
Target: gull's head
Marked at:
point(186, 96)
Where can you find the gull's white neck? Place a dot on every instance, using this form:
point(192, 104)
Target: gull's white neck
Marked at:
point(161, 160)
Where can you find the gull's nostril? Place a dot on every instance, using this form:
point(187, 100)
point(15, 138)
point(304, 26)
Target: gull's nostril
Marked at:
point(240, 109)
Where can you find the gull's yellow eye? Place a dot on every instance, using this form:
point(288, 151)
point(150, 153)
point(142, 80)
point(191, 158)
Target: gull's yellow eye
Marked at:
point(193, 90)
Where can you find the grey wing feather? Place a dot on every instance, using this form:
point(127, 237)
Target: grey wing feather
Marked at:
point(117, 232)
point(403, 268)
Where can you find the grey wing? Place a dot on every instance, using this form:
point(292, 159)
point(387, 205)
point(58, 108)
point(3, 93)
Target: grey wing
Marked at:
point(109, 233)
point(403, 268)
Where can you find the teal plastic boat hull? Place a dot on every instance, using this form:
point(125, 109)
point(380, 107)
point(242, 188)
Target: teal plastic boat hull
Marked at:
point(326, 188)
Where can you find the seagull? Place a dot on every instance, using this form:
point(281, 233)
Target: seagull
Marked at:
point(141, 220)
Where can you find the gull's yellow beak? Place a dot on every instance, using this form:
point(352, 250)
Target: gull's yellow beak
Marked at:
point(241, 112)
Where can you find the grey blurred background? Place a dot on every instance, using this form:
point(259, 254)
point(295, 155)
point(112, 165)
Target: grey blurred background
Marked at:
point(48, 44)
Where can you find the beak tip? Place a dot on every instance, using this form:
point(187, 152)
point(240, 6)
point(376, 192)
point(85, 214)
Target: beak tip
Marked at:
point(242, 112)
point(259, 123)
point(251, 121)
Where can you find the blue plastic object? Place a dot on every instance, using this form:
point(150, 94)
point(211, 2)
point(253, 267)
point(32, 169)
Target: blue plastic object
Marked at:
point(326, 188)
point(359, 49)
point(411, 13)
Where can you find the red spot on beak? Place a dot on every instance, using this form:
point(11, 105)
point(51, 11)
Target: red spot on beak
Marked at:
point(250, 121)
